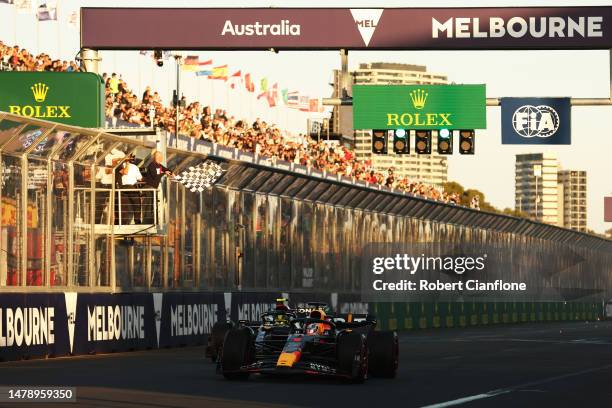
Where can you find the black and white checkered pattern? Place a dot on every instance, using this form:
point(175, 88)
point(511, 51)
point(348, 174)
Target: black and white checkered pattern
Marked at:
point(197, 178)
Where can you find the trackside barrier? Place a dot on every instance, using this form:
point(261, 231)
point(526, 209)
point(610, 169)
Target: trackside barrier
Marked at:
point(39, 325)
point(427, 315)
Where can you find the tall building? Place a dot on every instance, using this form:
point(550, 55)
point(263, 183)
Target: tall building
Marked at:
point(430, 169)
point(536, 187)
point(572, 184)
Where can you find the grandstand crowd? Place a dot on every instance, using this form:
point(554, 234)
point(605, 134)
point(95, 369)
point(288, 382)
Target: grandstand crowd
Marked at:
point(197, 121)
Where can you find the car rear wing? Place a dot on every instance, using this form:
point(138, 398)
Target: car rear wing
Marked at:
point(355, 317)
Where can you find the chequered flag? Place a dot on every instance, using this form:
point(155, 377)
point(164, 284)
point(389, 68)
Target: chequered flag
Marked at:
point(200, 177)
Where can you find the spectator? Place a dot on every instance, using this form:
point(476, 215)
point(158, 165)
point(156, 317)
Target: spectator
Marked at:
point(219, 127)
point(146, 96)
point(475, 203)
point(113, 83)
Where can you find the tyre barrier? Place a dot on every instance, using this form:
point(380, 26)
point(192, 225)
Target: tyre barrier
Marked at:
point(432, 315)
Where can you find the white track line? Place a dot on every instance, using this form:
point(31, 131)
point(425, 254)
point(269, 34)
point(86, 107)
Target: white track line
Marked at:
point(506, 390)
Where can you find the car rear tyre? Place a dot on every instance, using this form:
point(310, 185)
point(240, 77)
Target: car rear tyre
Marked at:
point(236, 353)
point(383, 349)
point(216, 338)
point(353, 356)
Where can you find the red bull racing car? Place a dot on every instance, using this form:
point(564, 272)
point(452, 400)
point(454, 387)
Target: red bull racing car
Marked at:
point(309, 341)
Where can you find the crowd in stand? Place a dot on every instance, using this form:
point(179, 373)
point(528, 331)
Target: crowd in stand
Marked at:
point(19, 59)
point(123, 105)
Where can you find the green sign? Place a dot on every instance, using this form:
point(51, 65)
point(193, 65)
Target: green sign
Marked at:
point(419, 107)
point(73, 98)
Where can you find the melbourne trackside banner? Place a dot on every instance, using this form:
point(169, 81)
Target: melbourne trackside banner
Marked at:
point(71, 323)
point(536, 121)
point(358, 28)
point(419, 106)
point(72, 98)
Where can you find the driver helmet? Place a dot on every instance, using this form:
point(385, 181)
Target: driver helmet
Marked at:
point(317, 329)
point(280, 319)
point(281, 304)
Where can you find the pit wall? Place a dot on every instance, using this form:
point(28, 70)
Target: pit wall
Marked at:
point(41, 325)
point(427, 315)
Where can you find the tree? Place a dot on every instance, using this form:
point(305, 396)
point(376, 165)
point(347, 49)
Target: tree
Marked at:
point(453, 187)
point(465, 196)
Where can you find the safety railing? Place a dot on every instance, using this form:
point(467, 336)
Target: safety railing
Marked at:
point(129, 211)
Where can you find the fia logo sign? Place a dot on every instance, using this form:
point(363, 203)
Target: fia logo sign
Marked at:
point(535, 121)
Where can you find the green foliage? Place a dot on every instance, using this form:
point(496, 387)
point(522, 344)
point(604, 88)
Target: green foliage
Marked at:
point(467, 195)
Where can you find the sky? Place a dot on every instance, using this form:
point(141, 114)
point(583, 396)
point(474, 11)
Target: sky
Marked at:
point(505, 73)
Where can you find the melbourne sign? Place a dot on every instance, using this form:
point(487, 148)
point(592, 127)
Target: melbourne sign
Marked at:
point(536, 121)
point(72, 98)
point(71, 323)
point(419, 106)
point(357, 28)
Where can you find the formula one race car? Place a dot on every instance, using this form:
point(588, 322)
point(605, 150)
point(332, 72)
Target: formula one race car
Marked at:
point(219, 329)
point(287, 342)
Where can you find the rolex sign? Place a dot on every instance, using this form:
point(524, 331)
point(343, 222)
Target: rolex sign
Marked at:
point(72, 98)
point(419, 107)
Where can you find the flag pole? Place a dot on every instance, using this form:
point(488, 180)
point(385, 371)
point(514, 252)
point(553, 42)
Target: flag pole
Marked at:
point(57, 26)
point(178, 97)
point(37, 31)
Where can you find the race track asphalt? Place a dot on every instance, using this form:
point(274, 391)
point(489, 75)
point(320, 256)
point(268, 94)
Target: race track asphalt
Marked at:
point(529, 365)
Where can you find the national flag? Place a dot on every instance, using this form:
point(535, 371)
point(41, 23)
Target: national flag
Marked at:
point(273, 95)
point(236, 76)
point(25, 6)
point(73, 19)
point(314, 105)
point(192, 60)
point(271, 100)
point(304, 103)
point(204, 68)
point(264, 89)
point(219, 72)
point(47, 11)
point(200, 177)
point(191, 63)
point(248, 83)
point(293, 99)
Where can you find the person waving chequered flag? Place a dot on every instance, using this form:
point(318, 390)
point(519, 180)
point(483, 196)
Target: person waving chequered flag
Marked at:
point(200, 177)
